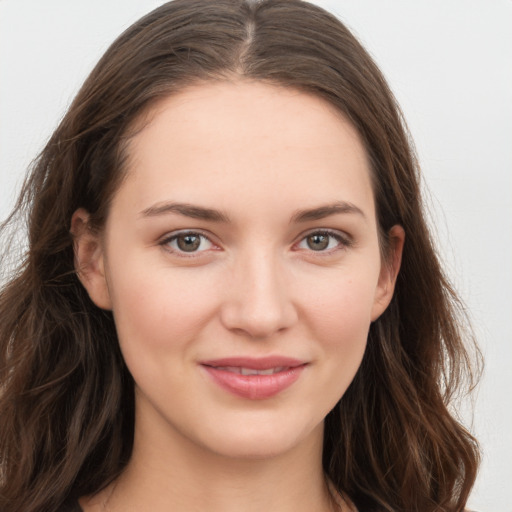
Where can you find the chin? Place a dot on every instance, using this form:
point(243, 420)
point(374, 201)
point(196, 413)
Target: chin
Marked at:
point(258, 442)
point(252, 450)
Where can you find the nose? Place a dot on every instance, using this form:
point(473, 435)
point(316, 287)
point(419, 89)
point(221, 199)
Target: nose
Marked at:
point(258, 302)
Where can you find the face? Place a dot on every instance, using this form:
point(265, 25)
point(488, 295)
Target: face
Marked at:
point(241, 261)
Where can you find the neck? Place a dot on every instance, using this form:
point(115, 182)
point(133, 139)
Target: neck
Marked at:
point(169, 472)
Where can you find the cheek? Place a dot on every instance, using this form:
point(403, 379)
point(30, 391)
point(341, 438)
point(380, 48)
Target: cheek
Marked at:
point(341, 308)
point(338, 317)
point(159, 309)
point(343, 333)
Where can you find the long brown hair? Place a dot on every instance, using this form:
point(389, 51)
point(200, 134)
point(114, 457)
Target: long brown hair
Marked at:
point(66, 397)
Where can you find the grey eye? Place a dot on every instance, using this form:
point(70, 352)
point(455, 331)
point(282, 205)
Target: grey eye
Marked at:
point(318, 241)
point(188, 243)
point(323, 241)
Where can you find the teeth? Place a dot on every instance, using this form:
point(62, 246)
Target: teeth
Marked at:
point(270, 371)
point(251, 371)
point(248, 371)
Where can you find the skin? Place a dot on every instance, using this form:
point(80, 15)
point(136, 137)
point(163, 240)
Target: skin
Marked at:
point(256, 286)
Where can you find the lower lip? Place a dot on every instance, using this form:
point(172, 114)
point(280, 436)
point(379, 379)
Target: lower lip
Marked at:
point(254, 387)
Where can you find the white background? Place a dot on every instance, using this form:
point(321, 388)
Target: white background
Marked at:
point(449, 63)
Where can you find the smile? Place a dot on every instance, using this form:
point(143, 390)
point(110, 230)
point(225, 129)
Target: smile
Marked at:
point(251, 371)
point(254, 379)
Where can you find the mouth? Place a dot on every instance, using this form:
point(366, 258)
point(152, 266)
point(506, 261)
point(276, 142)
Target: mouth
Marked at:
point(254, 378)
point(251, 371)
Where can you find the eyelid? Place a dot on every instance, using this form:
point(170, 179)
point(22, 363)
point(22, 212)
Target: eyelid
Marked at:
point(344, 239)
point(170, 237)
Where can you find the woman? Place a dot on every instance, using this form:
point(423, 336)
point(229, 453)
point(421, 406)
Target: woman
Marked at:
point(230, 297)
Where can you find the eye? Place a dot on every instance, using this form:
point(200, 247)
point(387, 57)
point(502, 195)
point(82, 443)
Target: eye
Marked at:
point(323, 241)
point(187, 242)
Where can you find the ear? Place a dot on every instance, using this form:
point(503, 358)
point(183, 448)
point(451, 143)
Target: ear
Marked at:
point(390, 267)
point(89, 259)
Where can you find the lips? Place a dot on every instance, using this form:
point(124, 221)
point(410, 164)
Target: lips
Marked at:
point(254, 378)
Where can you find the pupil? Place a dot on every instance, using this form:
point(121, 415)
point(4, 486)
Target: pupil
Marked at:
point(189, 243)
point(318, 242)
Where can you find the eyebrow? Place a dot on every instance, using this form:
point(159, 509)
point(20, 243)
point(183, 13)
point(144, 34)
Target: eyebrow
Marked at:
point(339, 207)
point(210, 214)
point(186, 209)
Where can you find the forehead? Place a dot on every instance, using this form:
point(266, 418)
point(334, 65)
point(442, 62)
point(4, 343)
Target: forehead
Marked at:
point(263, 142)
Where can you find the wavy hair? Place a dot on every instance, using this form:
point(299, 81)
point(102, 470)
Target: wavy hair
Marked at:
point(66, 396)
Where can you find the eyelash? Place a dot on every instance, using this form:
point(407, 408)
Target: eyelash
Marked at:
point(168, 240)
point(344, 242)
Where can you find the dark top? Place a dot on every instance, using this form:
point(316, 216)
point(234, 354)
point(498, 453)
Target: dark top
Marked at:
point(71, 506)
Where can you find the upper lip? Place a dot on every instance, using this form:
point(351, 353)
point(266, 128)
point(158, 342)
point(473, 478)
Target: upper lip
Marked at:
point(255, 363)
